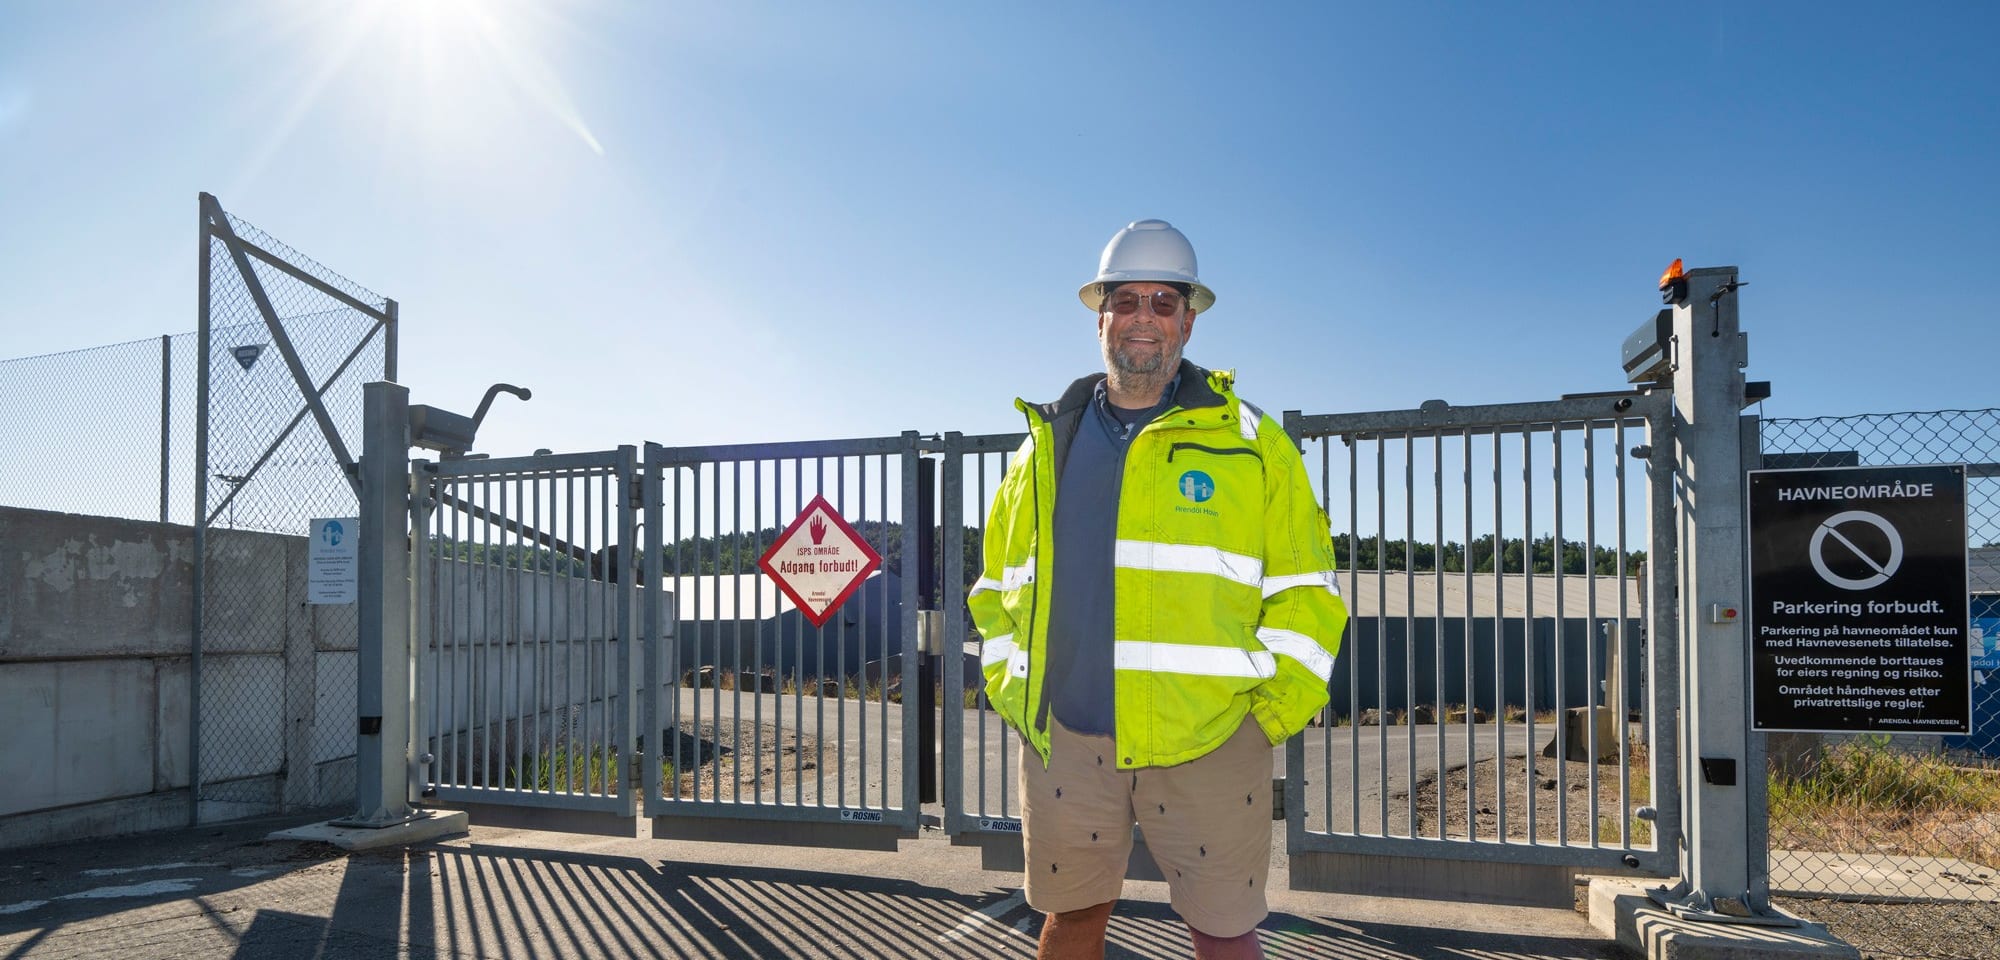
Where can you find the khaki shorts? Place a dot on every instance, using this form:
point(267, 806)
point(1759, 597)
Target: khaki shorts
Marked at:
point(1207, 823)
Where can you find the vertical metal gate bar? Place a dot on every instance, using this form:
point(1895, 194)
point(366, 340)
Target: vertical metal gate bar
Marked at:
point(1006, 763)
point(597, 646)
point(1593, 697)
point(489, 630)
point(1528, 616)
point(1499, 646)
point(628, 592)
point(1437, 625)
point(663, 635)
point(1471, 709)
point(839, 660)
point(735, 574)
point(444, 603)
point(687, 608)
point(707, 750)
point(575, 625)
point(508, 642)
point(799, 653)
point(757, 651)
point(613, 629)
point(912, 534)
point(1561, 653)
point(819, 664)
point(861, 650)
point(1591, 625)
point(910, 772)
point(1409, 635)
point(1623, 716)
point(715, 588)
point(979, 474)
point(461, 643)
point(1381, 634)
point(423, 631)
point(1355, 673)
point(861, 629)
point(510, 620)
point(1326, 728)
point(950, 593)
point(542, 649)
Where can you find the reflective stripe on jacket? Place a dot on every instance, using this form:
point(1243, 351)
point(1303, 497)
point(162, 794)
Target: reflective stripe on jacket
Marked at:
point(1226, 600)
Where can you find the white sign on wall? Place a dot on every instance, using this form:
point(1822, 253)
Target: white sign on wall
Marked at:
point(332, 560)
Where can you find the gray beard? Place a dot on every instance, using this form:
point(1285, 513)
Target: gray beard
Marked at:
point(1118, 360)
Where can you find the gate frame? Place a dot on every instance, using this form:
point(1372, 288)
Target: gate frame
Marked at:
point(1429, 867)
point(850, 827)
point(608, 814)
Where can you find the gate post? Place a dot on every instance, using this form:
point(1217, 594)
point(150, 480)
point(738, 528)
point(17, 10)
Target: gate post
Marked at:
point(382, 675)
point(1710, 352)
point(927, 653)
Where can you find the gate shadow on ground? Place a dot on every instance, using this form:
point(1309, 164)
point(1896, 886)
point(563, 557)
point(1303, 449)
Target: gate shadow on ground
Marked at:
point(493, 901)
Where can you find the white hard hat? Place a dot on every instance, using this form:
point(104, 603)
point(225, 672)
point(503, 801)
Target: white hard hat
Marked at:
point(1147, 251)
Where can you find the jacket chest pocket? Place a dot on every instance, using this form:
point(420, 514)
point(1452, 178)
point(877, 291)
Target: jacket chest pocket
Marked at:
point(1211, 494)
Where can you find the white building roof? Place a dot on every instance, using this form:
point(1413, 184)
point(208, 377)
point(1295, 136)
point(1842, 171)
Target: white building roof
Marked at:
point(1397, 594)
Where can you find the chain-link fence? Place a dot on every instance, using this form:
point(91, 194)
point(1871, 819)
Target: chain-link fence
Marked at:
point(1894, 841)
point(106, 431)
point(288, 345)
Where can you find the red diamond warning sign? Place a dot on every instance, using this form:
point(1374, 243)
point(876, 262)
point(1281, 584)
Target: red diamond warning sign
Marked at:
point(819, 561)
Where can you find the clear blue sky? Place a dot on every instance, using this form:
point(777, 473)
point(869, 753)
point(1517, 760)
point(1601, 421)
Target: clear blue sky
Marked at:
point(727, 222)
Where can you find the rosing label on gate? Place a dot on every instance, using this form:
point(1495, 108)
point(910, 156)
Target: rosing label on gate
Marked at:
point(1858, 604)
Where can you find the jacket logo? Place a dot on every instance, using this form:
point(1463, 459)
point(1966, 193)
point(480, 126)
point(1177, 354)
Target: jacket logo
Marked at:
point(1197, 486)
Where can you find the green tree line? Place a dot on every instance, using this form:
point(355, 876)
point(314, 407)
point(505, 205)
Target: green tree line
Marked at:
point(1367, 553)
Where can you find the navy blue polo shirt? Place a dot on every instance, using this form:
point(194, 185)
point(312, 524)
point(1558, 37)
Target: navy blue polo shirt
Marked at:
point(1081, 664)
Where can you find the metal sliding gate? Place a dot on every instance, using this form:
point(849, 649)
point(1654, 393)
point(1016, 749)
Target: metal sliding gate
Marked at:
point(524, 635)
point(982, 796)
point(1503, 705)
point(1502, 709)
point(770, 729)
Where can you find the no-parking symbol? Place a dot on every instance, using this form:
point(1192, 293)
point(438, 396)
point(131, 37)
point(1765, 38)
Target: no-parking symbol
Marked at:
point(1884, 568)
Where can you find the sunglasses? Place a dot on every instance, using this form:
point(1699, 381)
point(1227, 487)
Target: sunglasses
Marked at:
point(1165, 303)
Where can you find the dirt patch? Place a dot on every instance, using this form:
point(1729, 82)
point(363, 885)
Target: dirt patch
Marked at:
point(740, 761)
point(1516, 786)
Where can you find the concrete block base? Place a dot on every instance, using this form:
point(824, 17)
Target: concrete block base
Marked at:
point(428, 825)
point(1620, 910)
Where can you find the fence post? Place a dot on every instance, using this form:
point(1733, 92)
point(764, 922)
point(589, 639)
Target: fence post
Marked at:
point(203, 341)
point(927, 661)
point(382, 680)
point(1716, 880)
point(166, 416)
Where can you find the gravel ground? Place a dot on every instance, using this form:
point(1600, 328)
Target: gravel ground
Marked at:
point(1944, 931)
point(1929, 931)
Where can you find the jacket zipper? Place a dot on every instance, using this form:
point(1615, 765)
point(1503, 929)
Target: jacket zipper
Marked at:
point(1220, 451)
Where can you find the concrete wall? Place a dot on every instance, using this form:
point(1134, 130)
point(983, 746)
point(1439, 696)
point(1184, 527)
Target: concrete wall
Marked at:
point(95, 634)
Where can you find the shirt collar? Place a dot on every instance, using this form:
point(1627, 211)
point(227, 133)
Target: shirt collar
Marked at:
point(1100, 401)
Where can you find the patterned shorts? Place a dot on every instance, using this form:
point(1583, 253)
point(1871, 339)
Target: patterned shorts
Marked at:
point(1206, 822)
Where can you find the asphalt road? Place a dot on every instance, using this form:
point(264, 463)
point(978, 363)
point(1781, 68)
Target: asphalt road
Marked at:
point(841, 756)
point(500, 893)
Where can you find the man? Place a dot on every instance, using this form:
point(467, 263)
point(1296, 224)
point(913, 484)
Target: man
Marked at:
point(1159, 609)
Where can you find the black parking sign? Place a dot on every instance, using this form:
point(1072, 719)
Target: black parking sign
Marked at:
point(1858, 609)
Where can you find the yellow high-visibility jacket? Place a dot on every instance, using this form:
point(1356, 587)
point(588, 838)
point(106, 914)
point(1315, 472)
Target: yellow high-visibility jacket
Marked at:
point(1226, 603)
